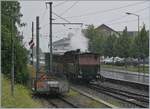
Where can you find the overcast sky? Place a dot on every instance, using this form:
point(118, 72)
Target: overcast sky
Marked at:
point(111, 13)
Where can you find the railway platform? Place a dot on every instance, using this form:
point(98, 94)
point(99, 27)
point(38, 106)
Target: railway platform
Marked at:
point(128, 76)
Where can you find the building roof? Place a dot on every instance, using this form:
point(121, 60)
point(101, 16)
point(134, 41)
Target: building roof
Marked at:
point(103, 26)
point(61, 41)
point(64, 40)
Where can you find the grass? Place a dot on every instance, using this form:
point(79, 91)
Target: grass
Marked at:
point(95, 104)
point(72, 93)
point(129, 68)
point(85, 101)
point(116, 103)
point(22, 96)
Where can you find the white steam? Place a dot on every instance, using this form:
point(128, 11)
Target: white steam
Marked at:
point(78, 40)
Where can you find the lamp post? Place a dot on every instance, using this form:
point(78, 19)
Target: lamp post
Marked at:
point(138, 32)
point(138, 19)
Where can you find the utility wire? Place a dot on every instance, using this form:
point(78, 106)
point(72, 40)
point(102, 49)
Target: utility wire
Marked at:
point(68, 9)
point(43, 15)
point(61, 17)
point(57, 16)
point(60, 3)
point(107, 21)
point(124, 16)
point(125, 21)
point(107, 10)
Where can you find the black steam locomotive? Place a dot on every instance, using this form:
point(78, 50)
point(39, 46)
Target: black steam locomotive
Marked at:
point(77, 66)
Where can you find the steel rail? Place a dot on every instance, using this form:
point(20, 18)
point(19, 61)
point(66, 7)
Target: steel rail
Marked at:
point(116, 95)
point(127, 93)
point(95, 99)
point(68, 102)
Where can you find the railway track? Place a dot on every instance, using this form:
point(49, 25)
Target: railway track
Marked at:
point(61, 102)
point(56, 101)
point(68, 102)
point(140, 97)
point(107, 105)
point(136, 99)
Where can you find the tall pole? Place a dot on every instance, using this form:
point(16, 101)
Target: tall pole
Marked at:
point(138, 36)
point(139, 45)
point(50, 36)
point(138, 25)
point(51, 53)
point(32, 39)
point(141, 55)
point(12, 58)
point(37, 47)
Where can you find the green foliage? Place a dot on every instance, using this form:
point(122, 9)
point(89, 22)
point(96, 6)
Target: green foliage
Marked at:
point(11, 9)
point(22, 96)
point(141, 44)
point(72, 93)
point(109, 49)
point(123, 44)
point(11, 15)
point(96, 40)
point(6, 52)
point(90, 33)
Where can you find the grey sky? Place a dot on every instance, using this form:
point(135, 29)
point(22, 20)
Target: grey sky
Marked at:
point(111, 13)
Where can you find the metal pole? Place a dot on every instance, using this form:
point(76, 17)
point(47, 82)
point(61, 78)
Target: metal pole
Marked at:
point(142, 56)
point(37, 46)
point(139, 45)
point(51, 52)
point(12, 59)
point(32, 39)
point(138, 24)
point(50, 36)
point(138, 36)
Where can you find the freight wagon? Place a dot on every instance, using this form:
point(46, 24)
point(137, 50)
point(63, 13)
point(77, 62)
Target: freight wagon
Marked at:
point(82, 66)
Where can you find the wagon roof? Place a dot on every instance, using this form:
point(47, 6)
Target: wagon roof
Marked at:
point(89, 53)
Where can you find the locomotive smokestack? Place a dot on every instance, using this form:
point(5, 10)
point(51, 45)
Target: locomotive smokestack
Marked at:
point(78, 50)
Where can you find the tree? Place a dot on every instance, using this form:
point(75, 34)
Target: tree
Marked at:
point(144, 43)
point(96, 40)
point(123, 46)
point(109, 49)
point(90, 33)
point(141, 45)
point(10, 12)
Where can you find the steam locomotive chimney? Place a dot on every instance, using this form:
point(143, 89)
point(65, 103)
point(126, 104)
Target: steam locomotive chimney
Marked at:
point(78, 50)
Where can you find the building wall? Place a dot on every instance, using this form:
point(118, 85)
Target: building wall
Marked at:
point(62, 45)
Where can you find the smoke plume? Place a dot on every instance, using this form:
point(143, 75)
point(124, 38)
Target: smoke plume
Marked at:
point(78, 40)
